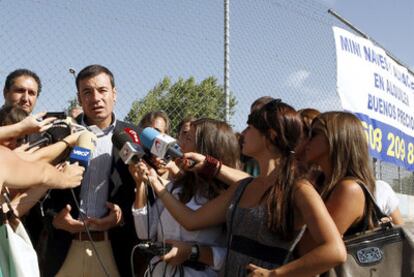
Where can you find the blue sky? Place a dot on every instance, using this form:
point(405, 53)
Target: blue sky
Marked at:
point(279, 48)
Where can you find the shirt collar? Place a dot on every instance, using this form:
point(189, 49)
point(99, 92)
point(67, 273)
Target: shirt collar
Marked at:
point(105, 131)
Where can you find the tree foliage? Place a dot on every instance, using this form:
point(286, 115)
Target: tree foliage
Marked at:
point(183, 98)
point(73, 103)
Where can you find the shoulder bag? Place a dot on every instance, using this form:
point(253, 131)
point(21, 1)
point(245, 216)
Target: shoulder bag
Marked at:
point(386, 251)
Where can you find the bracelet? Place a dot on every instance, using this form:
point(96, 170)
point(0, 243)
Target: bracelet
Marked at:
point(65, 142)
point(211, 168)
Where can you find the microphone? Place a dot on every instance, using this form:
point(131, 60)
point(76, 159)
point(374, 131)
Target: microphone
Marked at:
point(160, 145)
point(128, 145)
point(82, 152)
point(57, 132)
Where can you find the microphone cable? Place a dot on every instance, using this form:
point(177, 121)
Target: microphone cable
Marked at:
point(149, 270)
point(82, 218)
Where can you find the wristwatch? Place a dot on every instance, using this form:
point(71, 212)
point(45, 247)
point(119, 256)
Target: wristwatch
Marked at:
point(195, 253)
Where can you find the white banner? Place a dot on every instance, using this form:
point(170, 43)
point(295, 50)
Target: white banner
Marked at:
point(381, 93)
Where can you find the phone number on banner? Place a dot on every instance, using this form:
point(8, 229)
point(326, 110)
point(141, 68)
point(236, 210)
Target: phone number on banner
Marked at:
point(388, 143)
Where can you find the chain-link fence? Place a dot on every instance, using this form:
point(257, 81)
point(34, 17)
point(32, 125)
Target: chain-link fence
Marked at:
point(278, 48)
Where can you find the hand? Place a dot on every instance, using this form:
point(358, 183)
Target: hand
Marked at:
point(174, 171)
point(73, 174)
point(178, 254)
point(105, 223)
point(143, 172)
point(256, 271)
point(35, 123)
point(64, 221)
point(73, 138)
point(185, 163)
point(60, 166)
point(138, 172)
point(24, 149)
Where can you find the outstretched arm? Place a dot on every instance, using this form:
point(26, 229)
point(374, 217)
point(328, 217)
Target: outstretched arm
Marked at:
point(17, 173)
point(29, 125)
point(53, 151)
point(23, 202)
point(210, 214)
point(228, 175)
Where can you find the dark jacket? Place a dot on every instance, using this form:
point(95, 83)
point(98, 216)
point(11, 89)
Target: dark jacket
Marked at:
point(52, 251)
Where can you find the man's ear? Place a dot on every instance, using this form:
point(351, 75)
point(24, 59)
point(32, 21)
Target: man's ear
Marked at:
point(79, 99)
point(115, 93)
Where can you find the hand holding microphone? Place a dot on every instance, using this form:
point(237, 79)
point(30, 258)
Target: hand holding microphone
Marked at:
point(161, 145)
point(141, 172)
point(191, 161)
point(73, 174)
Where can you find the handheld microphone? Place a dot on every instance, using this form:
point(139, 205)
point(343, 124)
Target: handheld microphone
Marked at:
point(160, 145)
point(74, 126)
point(82, 152)
point(57, 132)
point(128, 145)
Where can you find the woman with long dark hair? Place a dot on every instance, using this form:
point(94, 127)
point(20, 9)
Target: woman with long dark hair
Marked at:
point(193, 253)
point(339, 147)
point(266, 215)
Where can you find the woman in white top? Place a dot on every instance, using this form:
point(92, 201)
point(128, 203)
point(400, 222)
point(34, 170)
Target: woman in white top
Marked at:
point(387, 200)
point(193, 253)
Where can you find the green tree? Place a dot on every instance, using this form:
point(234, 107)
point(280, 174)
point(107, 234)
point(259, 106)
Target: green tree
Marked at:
point(183, 98)
point(73, 103)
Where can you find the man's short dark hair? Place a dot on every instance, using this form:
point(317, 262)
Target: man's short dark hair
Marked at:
point(18, 73)
point(94, 70)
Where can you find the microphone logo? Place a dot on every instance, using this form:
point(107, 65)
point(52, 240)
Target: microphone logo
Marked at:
point(133, 135)
point(80, 152)
point(157, 145)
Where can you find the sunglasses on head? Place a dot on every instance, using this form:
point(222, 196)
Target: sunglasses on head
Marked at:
point(272, 104)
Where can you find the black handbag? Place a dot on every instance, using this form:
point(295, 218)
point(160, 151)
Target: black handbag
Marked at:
point(387, 250)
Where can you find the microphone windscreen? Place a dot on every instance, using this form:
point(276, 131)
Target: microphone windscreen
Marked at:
point(120, 138)
point(147, 137)
point(58, 131)
point(87, 140)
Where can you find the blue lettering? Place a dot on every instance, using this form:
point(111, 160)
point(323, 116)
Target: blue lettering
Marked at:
point(350, 46)
point(379, 81)
point(380, 60)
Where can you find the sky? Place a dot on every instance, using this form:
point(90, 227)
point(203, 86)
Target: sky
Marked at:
point(279, 48)
point(387, 22)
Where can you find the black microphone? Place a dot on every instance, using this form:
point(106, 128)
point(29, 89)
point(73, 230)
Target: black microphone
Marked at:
point(128, 145)
point(56, 133)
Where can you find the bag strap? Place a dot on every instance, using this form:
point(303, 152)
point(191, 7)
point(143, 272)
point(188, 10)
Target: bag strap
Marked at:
point(378, 213)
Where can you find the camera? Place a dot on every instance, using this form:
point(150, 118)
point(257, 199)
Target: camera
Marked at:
point(154, 248)
point(58, 115)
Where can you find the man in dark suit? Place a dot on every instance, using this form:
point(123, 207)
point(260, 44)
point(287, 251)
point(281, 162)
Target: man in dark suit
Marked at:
point(105, 196)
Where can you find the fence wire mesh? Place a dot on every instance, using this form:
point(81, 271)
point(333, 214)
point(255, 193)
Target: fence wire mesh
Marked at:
point(278, 48)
